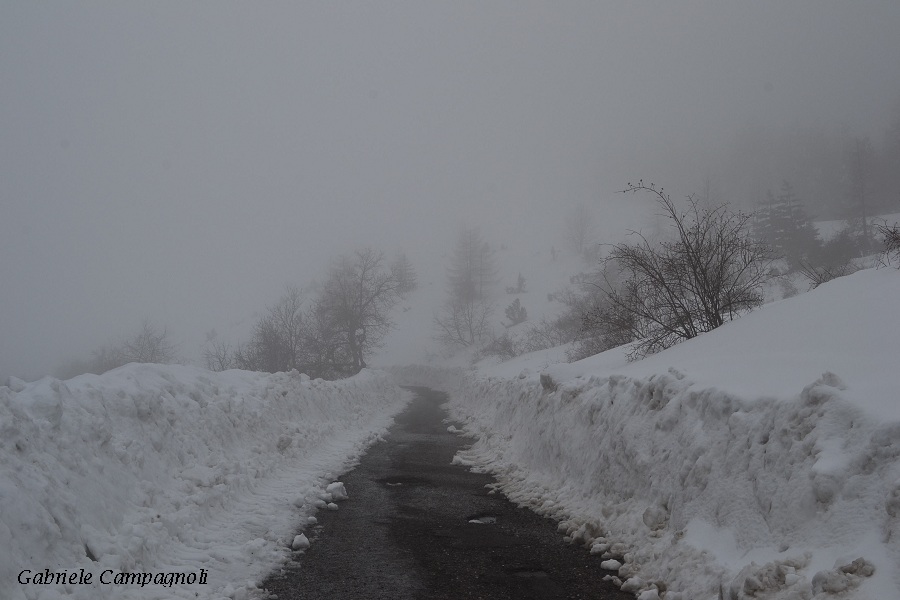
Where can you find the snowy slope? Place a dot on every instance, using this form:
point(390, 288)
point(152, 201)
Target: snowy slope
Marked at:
point(157, 469)
point(829, 229)
point(759, 460)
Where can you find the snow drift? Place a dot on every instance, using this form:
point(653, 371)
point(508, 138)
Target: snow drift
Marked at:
point(700, 487)
point(157, 469)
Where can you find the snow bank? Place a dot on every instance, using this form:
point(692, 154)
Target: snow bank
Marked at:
point(162, 469)
point(698, 485)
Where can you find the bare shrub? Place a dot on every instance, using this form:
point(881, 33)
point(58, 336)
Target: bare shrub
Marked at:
point(890, 240)
point(572, 326)
point(218, 355)
point(502, 346)
point(711, 272)
point(819, 274)
point(547, 333)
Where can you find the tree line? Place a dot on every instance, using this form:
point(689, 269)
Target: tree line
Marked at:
point(329, 333)
point(838, 174)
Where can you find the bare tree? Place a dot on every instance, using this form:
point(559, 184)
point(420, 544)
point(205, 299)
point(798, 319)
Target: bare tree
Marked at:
point(326, 353)
point(277, 341)
point(463, 323)
point(149, 345)
point(339, 329)
point(287, 321)
point(219, 355)
point(264, 351)
point(356, 300)
point(710, 273)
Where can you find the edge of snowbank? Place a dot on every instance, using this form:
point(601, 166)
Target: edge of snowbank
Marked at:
point(695, 490)
point(153, 468)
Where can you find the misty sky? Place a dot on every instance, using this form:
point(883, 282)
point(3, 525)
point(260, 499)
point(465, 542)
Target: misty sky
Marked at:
point(182, 161)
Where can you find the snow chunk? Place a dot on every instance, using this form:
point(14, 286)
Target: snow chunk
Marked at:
point(599, 548)
point(484, 520)
point(633, 584)
point(842, 578)
point(15, 384)
point(655, 517)
point(301, 542)
point(337, 490)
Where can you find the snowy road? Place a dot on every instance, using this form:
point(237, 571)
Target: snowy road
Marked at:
point(408, 531)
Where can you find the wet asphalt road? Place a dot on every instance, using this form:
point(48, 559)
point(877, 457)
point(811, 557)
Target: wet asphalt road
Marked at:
point(405, 531)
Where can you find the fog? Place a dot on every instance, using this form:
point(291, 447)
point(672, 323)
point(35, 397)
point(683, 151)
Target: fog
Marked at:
point(183, 161)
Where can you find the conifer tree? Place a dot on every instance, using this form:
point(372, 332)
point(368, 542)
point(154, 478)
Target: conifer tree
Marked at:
point(784, 224)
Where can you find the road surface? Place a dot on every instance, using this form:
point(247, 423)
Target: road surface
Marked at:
point(407, 532)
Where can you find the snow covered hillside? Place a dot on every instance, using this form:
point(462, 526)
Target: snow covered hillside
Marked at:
point(171, 469)
point(828, 229)
point(761, 460)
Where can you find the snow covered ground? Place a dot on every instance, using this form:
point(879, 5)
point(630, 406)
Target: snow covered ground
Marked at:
point(829, 229)
point(760, 460)
point(172, 469)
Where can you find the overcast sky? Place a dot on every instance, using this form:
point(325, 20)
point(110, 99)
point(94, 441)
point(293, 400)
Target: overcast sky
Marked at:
point(181, 161)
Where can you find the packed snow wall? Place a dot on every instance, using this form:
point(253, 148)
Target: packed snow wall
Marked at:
point(694, 491)
point(158, 469)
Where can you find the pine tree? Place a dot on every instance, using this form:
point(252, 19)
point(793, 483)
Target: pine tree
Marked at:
point(859, 161)
point(516, 313)
point(472, 272)
point(471, 275)
point(801, 239)
point(404, 273)
point(784, 224)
